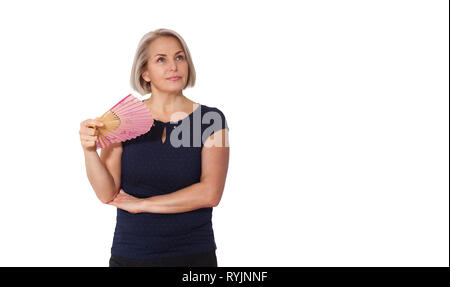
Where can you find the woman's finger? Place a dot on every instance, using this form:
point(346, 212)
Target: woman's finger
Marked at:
point(93, 123)
point(89, 138)
point(88, 131)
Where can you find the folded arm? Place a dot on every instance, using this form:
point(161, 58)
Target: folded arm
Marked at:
point(206, 193)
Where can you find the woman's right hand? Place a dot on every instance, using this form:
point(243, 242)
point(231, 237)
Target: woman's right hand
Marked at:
point(89, 134)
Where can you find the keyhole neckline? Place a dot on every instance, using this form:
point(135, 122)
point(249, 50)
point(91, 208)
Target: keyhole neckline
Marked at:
point(169, 123)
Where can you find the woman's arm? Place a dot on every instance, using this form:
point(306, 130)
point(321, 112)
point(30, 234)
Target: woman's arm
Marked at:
point(206, 193)
point(104, 172)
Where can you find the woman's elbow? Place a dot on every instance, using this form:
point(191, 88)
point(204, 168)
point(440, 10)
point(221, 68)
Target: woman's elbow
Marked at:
point(105, 200)
point(215, 199)
point(108, 199)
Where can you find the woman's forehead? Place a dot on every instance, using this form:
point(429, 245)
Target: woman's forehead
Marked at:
point(164, 45)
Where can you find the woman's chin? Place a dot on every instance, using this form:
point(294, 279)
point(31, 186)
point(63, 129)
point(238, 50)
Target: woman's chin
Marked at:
point(173, 88)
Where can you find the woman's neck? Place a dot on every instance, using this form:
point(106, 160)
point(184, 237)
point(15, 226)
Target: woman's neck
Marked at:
point(163, 106)
point(166, 103)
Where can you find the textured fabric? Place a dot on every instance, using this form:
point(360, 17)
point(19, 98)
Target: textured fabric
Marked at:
point(203, 259)
point(151, 167)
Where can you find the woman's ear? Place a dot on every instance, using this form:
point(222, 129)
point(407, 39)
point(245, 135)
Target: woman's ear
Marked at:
point(145, 76)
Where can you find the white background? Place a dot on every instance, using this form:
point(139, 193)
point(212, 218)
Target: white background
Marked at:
point(338, 114)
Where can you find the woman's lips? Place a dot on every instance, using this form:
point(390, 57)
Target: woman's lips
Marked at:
point(174, 78)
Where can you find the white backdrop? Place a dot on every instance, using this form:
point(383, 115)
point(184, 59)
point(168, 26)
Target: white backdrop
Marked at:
point(338, 114)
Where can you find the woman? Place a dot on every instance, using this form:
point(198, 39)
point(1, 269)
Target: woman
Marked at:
point(166, 182)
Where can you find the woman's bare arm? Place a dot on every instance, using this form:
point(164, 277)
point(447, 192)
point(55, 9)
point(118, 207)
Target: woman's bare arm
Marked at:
point(104, 171)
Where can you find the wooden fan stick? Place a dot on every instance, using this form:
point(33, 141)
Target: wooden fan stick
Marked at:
point(110, 123)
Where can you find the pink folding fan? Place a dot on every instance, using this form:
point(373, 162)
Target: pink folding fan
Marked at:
point(128, 119)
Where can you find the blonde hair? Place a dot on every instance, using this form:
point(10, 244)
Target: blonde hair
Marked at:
point(141, 58)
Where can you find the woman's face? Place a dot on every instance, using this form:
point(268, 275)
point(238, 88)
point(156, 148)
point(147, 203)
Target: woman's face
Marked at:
point(167, 59)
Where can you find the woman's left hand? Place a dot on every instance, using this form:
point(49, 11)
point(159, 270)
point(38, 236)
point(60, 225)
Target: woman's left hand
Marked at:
point(127, 202)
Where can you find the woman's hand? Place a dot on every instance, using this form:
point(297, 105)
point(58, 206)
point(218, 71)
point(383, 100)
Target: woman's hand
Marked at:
point(127, 202)
point(89, 134)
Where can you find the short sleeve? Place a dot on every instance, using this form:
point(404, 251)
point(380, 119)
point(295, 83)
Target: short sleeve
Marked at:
point(215, 120)
point(223, 121)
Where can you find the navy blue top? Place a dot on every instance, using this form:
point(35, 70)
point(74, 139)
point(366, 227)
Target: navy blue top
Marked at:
point(151, 167)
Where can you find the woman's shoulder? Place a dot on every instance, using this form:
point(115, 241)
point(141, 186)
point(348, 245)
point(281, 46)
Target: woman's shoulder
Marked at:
point(213, 114)
point(207, 108)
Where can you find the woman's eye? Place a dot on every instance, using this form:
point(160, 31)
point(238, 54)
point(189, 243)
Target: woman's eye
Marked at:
point(163, 58)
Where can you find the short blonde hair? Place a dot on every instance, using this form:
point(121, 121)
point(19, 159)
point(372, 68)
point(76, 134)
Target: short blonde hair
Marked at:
point(141, 58)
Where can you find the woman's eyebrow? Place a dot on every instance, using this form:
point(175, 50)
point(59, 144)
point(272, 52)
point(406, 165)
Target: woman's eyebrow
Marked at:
point(166, 55)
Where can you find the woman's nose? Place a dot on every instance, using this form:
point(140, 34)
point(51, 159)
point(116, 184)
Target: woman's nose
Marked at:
point(173, 66)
